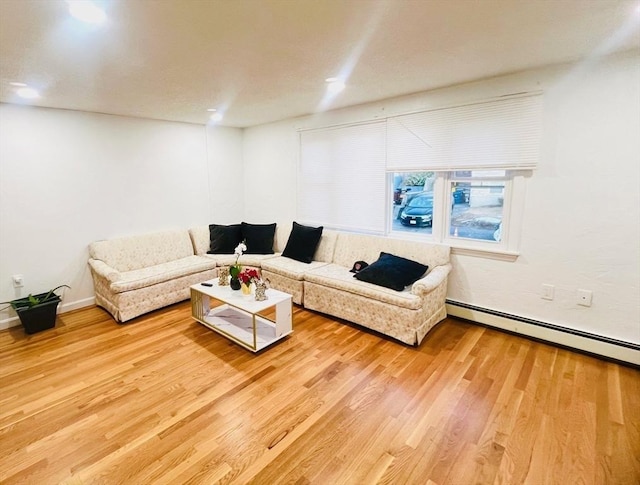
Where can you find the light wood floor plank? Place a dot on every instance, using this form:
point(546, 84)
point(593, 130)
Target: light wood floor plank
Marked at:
point(164, 400)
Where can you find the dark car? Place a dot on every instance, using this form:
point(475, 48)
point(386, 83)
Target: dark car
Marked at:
point(418, 212)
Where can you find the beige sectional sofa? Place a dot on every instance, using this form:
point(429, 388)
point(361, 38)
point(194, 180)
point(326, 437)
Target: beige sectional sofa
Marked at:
point(139, 274)
point(135, 275)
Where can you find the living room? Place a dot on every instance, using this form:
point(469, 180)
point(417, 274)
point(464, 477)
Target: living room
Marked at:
point(69, 177)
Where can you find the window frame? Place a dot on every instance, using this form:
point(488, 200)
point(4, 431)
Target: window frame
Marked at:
point(507, 249)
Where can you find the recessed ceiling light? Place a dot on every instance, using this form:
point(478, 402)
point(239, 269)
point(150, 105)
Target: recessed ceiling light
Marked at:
point(27, 93)
point(335, 85)
point(86, 11)
point(212, 110)
point(19, 85)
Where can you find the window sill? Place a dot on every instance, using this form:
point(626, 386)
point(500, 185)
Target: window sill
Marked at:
point(497, 254)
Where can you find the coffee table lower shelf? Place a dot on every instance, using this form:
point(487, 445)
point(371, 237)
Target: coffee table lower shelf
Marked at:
point(241, 327)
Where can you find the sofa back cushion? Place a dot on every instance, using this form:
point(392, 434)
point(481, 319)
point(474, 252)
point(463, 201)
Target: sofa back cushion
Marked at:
point(326, 247)
point(361, 247)
point(200, 239)
point(136, 252)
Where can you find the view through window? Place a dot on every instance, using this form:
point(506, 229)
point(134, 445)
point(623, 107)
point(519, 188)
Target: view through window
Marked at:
point(474, 201)
point(413, 202)
point(477, 205)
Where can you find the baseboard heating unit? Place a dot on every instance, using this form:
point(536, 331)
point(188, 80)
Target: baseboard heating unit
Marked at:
point(618, 350)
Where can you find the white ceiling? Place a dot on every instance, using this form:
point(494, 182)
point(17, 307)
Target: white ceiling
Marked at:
point(266, 60)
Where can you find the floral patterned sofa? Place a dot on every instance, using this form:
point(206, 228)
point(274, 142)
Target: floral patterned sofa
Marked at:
point(135, 275)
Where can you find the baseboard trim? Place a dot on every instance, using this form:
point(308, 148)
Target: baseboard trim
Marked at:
point(599, 345)
point(63, 308)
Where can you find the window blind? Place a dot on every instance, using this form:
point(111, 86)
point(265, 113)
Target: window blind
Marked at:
point(502, 134)
point(341, 177)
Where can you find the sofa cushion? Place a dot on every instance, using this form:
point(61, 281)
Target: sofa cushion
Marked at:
point(135, 252)
point(258, 237)
point(289, 267)
point(392, 271)
point(303, 242)
point(253, 260)
point(340, 278)
point(200, 239)
point(151, 275)
point(224, 239)
point(352, 247)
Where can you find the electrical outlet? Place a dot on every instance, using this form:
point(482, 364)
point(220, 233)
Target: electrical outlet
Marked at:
point(548, 292)
point(584, 297)
point(18, 280)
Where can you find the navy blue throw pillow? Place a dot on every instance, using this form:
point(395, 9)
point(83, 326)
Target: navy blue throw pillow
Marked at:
point(392, 272)
point(224, 239)
point(258, 237)
point(303, 242)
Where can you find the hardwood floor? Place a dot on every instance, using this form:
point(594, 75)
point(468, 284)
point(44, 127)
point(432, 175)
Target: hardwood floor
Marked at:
point(165, 400)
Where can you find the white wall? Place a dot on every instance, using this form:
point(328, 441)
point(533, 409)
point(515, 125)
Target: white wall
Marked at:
point(226, 187)
point(68, 178)
point(581, 221)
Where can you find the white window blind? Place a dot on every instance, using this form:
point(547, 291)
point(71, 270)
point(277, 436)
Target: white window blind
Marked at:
point(341, 177)
point(502, 134)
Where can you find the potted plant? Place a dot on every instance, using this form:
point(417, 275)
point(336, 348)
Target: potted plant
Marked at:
point(37, 312)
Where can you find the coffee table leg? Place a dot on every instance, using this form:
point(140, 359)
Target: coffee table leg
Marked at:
point(200, 305)
point(283, 317)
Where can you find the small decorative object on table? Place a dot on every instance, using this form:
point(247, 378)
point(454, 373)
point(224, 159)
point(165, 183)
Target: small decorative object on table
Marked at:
point(261, 289)
point(234, 269)
point(223, 276)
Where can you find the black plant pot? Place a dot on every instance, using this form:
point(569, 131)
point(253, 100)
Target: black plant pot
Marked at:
point(234, 283)
point(37, 317)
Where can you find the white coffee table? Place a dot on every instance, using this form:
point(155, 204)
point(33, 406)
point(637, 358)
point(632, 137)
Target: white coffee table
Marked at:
point(240, 317)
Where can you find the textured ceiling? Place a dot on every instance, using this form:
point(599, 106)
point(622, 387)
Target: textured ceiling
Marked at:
point(266, 60)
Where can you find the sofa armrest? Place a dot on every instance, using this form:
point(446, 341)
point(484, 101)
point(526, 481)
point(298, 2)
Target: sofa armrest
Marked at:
point(431, 281)
point(104, 270)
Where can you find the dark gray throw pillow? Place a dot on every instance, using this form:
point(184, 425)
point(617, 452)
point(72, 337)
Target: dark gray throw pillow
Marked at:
point(258, 237)
point(303, 242)
point(392, 272)
point(224, 239)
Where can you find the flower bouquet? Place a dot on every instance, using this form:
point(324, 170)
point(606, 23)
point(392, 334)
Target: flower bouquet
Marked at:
point(235, 269)
point(246, 277)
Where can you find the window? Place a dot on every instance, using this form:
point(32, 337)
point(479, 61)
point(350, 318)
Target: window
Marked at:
point(470, 210)
point(453, 174)
point(477, 205)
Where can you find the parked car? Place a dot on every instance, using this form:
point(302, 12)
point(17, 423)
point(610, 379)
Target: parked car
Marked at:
point(418, 212)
